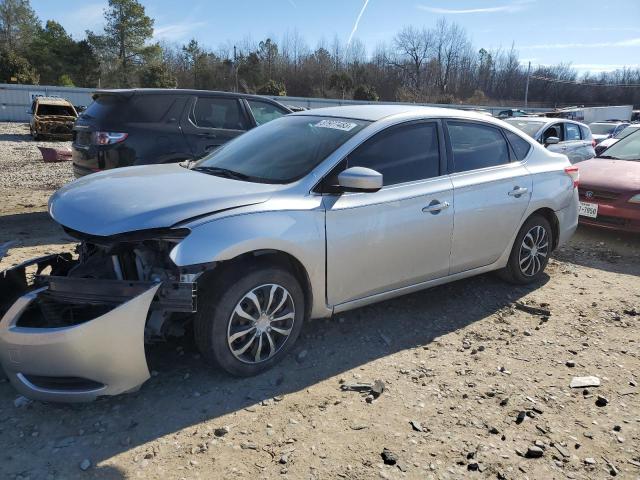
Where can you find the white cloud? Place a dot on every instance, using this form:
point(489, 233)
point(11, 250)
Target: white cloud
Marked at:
point(601, 67)
point(631, 42)
point(512, 7)
point(176, 31)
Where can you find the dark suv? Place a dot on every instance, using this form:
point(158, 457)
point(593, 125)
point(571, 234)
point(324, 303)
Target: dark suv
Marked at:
point(142, 126)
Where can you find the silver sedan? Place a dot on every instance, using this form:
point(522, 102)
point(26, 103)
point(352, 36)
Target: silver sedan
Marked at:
point(315, 213)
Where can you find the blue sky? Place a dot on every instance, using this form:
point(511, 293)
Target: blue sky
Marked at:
point(593, 35)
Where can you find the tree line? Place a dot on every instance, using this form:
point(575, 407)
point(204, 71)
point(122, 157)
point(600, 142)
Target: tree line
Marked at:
point(419, 64)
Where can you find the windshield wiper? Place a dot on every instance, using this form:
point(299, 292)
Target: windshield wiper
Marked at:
point(222, 172)
point(608, 157)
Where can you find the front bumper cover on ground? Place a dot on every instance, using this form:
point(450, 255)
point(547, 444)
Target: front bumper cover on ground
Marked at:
point(103, 356)
point(102, 353)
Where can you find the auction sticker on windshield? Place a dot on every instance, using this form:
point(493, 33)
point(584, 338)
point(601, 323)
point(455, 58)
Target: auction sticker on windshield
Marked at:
point(589, 209)
point(336, 124)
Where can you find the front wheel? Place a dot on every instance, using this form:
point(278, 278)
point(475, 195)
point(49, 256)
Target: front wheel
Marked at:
point(530, 252)
point(247, 323)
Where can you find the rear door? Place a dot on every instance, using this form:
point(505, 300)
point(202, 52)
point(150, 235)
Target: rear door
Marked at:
point(574, 146)
point(491, 192)
point(212, 121)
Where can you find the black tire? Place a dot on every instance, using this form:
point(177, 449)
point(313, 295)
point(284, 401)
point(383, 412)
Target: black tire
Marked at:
point(513, 273)
point(34, 134)
point(217, 301)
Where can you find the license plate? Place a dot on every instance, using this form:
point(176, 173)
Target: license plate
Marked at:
point(589, 209)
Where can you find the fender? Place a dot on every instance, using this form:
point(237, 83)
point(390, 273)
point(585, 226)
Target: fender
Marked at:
point(299, 233)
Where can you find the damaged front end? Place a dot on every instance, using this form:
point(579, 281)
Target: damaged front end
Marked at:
point(54, 126)
point(75, 329)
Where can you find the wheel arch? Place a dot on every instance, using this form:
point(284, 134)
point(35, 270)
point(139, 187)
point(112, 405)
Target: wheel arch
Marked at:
point(263, 257)
point(552, 218)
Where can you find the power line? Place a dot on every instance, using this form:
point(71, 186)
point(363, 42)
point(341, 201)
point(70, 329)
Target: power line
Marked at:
point(586, 84)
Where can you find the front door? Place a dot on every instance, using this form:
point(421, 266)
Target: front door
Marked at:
point(212, 122)
point(400, 235)
point(491, 194)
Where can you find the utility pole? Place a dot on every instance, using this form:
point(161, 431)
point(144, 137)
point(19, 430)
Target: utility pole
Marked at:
point(235, 67)
point(526, 88)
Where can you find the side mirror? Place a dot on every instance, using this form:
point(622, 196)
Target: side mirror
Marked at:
point(551, 140)
point(360, 179)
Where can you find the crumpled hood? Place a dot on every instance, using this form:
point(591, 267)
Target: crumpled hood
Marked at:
point(150, 196)
point(611, 175)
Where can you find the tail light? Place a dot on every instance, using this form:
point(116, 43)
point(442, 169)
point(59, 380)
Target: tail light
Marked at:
point(593, 142)
point(108, 138)
point(573, 172)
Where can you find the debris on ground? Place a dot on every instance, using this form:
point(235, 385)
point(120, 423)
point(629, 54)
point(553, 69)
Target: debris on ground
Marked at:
point(374, 389)
point(583, 382)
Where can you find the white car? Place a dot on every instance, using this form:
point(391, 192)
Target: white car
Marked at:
point(314, 213)
point(560, 135)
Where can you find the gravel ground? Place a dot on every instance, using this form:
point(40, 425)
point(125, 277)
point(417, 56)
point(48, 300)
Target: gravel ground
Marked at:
point(477, 382)
point(22, 165)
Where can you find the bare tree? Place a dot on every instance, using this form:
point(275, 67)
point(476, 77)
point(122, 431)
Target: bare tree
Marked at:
point(415, 46)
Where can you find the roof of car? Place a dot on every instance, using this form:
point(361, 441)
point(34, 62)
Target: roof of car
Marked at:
point(175, 91)
point(543, 120)
point(377, 112)
point(53, 100)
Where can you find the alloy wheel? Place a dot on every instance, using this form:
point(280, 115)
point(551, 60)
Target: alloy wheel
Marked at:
point(533, 251)
point(261, 323)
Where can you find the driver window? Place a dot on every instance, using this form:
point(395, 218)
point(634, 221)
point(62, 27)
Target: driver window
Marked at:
point(553, 131)
point(402, 153)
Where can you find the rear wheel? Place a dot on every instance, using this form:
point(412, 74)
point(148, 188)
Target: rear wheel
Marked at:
point(530, 252)
point(247, 323)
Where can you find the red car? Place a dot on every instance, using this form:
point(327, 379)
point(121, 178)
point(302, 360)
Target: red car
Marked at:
point(610, 187)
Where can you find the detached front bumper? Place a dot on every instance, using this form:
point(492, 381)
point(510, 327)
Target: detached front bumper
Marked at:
point(69, 339)
point(103, 356)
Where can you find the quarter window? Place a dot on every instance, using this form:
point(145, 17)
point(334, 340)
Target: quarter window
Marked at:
point(225, 113)
point(403, 153)
point(572, 132)
point(476, 146)
point(264, 112)
point(520, 146)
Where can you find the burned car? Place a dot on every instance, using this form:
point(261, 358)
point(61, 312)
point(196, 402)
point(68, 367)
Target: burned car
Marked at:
point(52, 117)
point(314, 213)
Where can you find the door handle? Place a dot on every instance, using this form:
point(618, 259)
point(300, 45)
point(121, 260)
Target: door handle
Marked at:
point(207, 135)
point(518, 191)
point(435, 207)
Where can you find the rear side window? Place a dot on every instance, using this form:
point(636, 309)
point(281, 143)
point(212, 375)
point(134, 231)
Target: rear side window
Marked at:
point(135, 109)
point(212, 112)
point(572, 132)
point(264, 112)
point(519, 145)
point(403, 153)
point(586, 133)
point(476, 146)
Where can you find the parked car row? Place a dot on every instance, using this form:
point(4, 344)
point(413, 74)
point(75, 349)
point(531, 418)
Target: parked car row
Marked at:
point(307, 215)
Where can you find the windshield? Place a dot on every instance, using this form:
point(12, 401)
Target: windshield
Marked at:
point(281, 151)
point(530, 128)
point(626, 132)
point(602, 128)
point(626, 149)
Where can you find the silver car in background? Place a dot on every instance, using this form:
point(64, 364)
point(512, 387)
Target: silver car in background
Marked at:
point(312, 214)
point(573, 139)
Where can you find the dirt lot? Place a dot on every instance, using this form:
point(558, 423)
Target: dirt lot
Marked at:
point(474, 385)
